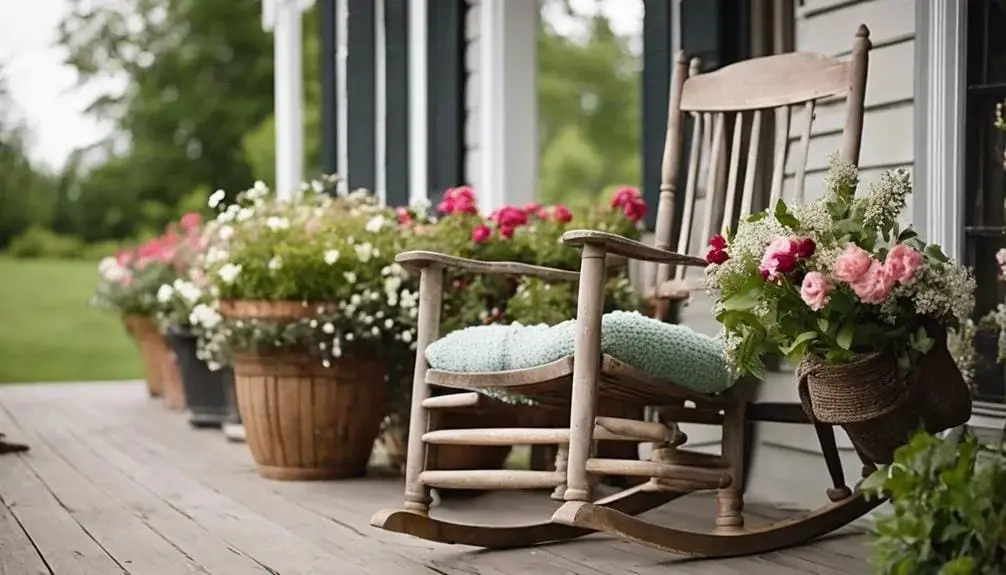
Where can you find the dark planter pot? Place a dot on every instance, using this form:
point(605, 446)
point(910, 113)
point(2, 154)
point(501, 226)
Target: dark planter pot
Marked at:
point(204, 389)
point(234, 429)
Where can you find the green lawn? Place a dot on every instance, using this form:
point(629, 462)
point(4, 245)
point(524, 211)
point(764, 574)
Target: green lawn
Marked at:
point(48, 332)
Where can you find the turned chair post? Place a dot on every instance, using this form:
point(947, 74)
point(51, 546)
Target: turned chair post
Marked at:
point(431, 284)
point(586, 371)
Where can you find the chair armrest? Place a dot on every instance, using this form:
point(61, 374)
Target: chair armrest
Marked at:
point(619, 245)
point(418, 259)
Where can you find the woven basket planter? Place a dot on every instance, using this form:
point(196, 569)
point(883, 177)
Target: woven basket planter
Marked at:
point(153, 351)
point(304, 421)
point(879, 406)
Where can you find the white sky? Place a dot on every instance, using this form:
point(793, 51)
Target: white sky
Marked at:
point(46, 93)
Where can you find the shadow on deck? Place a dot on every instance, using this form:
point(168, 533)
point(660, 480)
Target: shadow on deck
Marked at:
point(114, 483)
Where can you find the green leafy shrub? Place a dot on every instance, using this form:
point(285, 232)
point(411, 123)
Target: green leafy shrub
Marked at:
point(42, 243)
point(948, 508)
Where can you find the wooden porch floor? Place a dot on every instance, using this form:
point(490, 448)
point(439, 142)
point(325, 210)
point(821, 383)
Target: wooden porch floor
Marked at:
point(114, 483)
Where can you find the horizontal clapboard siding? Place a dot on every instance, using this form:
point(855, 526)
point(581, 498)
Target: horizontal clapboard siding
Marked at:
point(827, 27)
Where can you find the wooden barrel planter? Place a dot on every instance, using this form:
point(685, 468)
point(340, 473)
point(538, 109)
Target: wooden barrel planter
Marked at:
point(203, 388)
point(878, 405)
point(302, 420)
point(153, 351)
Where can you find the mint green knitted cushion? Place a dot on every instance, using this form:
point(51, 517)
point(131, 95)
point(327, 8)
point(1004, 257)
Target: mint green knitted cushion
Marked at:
point(665, 351)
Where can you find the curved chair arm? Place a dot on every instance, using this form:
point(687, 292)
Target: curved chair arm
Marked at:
point(419, 259)
point(622, 246)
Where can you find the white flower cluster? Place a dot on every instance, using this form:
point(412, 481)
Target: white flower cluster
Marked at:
point(111, 270)
point(886, 199)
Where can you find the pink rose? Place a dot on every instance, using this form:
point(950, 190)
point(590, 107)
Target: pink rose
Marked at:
point(875, 285)
point(718, 242)
point(806, 248)
point(481, 234)
point(852, 264)
point(814, 291)
point(779, 258)
point(902, 263)
point(562, 214)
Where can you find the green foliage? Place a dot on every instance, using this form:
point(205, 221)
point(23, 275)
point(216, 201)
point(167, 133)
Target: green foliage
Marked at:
point(948, 514)
point(38, 242)
point(820, 279)
point(589, 110)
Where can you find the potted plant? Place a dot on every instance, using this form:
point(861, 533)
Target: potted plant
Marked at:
point(128, 285)
point(529, 234)
point(948, 508)
point(312, 311)
point(862, 306)
point(180, 303)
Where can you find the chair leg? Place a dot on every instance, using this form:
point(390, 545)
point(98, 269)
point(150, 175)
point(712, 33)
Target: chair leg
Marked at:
point(730, 500)
point(417, 495)
point(586, 368)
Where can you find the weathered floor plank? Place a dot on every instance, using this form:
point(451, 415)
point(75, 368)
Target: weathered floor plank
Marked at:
point(116, 484)
point(18, 555)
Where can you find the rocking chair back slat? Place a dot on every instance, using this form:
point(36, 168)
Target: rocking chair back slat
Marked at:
point(735, 102)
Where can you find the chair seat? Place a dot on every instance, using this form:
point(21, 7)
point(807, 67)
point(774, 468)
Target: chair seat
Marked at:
point(670, 353)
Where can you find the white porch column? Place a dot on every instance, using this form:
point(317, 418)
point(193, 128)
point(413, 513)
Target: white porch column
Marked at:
point(284, 17)
point(418, 105)
point(942, 67)
point(508, 65)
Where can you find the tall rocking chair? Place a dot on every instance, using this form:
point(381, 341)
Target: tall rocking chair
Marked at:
point(680, 374)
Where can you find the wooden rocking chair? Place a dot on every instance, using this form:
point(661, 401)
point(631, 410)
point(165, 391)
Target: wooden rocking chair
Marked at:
point(738, 94)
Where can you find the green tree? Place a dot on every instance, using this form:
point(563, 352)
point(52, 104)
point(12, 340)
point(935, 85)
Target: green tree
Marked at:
point(27, 192)
point(199, 78)
point(589, 110)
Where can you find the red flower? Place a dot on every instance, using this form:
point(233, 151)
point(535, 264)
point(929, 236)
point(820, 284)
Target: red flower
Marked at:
point(460, 200)
point(635, 211)
point(465, 205)
point(562, 214)
point(532, 208)
point(785, 263)
point(404, 217)
point(805, 248)
point(625, 196)
point(506, 232)
point(511, 217)
point(191, 221)
point(446, 206)
point(718, 242)
point(481, 234)
point(715, 256)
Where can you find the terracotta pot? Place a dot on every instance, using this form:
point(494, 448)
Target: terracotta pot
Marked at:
point(304, 421)
point(153, 351)
point(203, 388)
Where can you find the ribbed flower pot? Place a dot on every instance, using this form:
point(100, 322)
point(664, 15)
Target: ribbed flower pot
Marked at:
point(204, 389)
point(153, 351)
point(304, 421)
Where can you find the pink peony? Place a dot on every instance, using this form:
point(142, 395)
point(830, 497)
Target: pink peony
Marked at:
point(191, 221)
point(481, 234)
point(532, 208)
point(506, 232)
point(460, 200)
point(510, 217)
point(631, 203)
point(814, 291)
point(852, 264)
point(902, 263)
point(779, 258)
point(403, 216)
point(875, 285)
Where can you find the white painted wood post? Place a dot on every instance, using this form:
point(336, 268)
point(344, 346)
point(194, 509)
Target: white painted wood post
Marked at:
point(418, 105)
point(508, 108)
point(283, 17)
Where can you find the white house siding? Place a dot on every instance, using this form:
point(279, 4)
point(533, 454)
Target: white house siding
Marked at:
point(472, 92)
point(788, 467)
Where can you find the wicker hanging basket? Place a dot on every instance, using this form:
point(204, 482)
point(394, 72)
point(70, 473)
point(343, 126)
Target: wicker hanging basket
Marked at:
point(878, 405)
point(305, 421)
